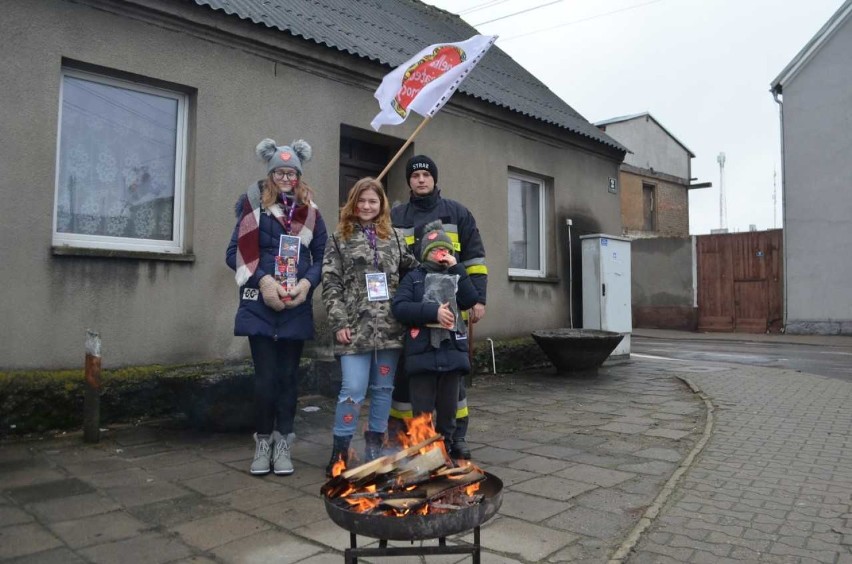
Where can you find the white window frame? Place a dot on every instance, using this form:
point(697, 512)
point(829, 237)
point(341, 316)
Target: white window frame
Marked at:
point(542, 227)
point(105, 242)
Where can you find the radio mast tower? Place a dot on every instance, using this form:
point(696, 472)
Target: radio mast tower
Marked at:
point(723, 213)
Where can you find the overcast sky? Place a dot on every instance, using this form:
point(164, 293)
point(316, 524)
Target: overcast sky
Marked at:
point(702, 68)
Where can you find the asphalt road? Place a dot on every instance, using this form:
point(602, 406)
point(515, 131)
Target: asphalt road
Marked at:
point(832, 361)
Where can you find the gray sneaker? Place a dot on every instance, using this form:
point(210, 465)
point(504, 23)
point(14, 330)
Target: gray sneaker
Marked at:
point(281, 463)
point(262, 455)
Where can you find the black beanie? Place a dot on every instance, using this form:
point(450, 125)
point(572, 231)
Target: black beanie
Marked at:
point(421, 162)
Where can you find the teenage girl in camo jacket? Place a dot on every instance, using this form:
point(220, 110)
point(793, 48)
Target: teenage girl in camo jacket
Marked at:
point(368, 338)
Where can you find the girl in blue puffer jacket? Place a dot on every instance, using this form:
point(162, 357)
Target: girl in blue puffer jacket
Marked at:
point(276, 250)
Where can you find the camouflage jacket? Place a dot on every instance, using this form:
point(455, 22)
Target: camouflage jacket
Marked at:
point(344, 289)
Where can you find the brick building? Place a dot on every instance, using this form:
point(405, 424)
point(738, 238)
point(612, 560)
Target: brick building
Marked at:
point(654, 179)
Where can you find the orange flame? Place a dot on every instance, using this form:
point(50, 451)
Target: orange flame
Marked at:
point(338, 467)
point(362, 504)
point(420, 428)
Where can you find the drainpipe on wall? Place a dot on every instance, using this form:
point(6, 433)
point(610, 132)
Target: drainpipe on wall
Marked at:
point(780, 102)
point(569, 223)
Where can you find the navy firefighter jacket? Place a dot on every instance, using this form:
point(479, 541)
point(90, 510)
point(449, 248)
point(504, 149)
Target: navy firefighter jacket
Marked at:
point(459, 224)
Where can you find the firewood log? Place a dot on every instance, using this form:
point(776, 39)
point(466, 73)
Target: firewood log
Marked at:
point(386, 463)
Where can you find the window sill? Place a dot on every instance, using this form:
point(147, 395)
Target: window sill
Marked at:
point(107, 253)
point(544, 280)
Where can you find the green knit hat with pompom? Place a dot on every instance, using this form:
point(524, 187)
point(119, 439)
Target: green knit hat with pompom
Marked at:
point(434, 237)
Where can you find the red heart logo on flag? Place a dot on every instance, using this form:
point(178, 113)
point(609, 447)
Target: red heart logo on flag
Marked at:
point(427, 69)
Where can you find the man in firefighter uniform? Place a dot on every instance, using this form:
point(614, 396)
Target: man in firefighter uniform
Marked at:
point(426, 204)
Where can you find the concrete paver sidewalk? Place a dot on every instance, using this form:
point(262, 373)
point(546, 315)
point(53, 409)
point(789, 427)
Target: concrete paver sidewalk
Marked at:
point(619, 464)
point(774, 481)
point(581, 461)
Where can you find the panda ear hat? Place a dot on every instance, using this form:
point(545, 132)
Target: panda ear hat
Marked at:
point(284, 156)
point(303, 150)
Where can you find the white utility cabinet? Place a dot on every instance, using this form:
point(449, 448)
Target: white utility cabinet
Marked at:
point(606, 287)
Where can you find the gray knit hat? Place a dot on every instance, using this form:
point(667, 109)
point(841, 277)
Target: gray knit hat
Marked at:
point(276, 157)
point(434, 237)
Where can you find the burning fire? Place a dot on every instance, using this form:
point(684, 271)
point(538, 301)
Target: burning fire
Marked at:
point(338, 467)
point(419, 429)
point(419, 479)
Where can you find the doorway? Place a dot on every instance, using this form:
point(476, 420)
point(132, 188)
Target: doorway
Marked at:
point(364, 153)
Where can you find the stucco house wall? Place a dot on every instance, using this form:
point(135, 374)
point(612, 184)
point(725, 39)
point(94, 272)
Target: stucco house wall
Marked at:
point(664, 302)
point(658, 159)
point(244, 82)
point(651, 146)
point(817, 142)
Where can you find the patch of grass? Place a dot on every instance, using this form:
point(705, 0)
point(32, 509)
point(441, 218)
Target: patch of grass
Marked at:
point(212, 395)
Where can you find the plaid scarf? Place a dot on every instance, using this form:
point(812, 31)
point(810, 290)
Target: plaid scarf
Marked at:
point(248, 238)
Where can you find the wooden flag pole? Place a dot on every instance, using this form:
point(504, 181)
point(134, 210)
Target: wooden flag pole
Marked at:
point(403, 148)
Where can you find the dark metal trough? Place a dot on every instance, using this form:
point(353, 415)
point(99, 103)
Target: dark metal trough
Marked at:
point(577, 350)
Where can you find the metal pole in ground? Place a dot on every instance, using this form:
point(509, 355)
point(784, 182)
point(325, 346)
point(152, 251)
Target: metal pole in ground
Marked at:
point(92, 397)
point(468, 379)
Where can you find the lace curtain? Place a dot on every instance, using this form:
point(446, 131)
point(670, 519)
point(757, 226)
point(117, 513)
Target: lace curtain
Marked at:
point(116, 161)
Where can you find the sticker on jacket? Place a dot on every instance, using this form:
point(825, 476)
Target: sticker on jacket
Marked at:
point(251, 294)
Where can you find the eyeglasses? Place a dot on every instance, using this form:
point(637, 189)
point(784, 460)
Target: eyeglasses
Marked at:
point(280, 174)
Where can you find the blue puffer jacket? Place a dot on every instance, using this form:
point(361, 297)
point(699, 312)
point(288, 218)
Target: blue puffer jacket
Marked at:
point(410, 310)
point(255, 318)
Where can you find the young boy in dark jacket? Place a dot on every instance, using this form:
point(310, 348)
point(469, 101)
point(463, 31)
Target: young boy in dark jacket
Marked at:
point(428, 301)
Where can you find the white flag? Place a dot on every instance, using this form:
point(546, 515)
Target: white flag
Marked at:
point(424, 83)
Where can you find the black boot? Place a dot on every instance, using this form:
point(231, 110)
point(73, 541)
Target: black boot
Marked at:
point(339, 451)
point(460, 448)
point(373, 445)
point(396, 427)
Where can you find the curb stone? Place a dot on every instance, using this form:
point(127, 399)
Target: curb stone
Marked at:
point(653, 510)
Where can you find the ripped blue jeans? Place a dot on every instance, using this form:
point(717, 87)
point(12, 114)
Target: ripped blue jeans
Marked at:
point(374, 370)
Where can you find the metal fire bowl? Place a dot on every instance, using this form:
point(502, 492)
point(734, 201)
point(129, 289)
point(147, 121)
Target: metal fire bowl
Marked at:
point(420, 527)
point(577, 350)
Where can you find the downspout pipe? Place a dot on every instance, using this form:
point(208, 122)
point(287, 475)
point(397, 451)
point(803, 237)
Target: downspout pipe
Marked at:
point(777, 95)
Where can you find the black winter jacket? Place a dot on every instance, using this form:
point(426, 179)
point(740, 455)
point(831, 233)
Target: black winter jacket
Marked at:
point(410, 310)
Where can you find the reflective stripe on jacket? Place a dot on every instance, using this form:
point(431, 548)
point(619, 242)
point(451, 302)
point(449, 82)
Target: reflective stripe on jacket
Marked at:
point(459, 224)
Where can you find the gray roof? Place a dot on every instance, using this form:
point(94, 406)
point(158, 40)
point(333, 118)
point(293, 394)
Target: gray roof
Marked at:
point(812, 47)
point(391, 31)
